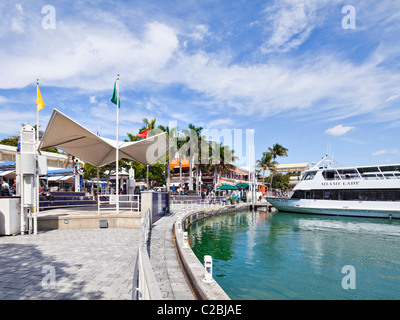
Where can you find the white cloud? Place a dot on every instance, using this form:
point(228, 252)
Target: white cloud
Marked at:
point(223, 122)
point(392, 98)
point(14, 118)
point(200, 32)
point(379, 153)
point(18, 6)
point(88, 54)
point(92, 99)
point(3, 100)
point(292, 22)
point(80, 55)
point(17, 19)
point(385, 152)
point(339, 130)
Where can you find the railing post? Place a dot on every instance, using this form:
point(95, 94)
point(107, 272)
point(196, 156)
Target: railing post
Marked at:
point(208, 278)
point(185, 240)
point(179, 224)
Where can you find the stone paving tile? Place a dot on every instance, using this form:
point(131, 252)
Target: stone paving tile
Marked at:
point(168, 273)
point(84, 262)
point(95, 264)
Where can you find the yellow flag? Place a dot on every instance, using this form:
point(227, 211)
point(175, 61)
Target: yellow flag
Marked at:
point(39, 101)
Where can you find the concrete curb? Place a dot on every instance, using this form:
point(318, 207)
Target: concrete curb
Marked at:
point(192, 267)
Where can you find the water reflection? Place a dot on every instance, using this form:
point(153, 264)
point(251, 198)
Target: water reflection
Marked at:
point(264, 255)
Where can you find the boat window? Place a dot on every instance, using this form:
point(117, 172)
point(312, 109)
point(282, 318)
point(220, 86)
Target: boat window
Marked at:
point(349, 195)
point(368, 169)
point(395, 168)
point(369, 176)
point(298, 194)
point(331, 175)
point(389, 176)
point(348, 174)
point(309, 175)
point(317, 194)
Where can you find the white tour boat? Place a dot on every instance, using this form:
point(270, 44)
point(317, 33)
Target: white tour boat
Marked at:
point(363, 191)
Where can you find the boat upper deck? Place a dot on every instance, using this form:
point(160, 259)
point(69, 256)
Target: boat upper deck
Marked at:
point(355, 173)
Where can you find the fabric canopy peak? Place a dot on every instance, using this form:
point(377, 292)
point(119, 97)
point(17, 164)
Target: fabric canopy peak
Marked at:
point(64, 133)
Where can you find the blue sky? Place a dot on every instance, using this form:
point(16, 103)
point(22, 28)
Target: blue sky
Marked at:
point(287, 69)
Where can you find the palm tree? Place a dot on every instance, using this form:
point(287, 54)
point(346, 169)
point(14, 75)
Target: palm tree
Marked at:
point(168, 168)
point(223, 161)
point(131, 137)
point(276, 151)
point(149, 124)
point(265, 163)
point(197, 153)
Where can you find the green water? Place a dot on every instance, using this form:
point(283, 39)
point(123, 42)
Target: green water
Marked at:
point(259, 255)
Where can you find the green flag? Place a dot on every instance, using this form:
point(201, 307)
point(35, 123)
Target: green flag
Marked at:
point(115, 95)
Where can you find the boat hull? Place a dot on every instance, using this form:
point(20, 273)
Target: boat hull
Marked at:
point(370, 209)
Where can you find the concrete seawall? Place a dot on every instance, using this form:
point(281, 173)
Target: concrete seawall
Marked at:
point(191, 265)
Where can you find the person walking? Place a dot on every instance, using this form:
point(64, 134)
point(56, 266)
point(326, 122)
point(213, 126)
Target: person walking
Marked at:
point(5, 188)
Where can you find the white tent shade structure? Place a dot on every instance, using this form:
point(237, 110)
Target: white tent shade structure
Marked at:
point(69, 136)
point(8, 174)
point(69, 178)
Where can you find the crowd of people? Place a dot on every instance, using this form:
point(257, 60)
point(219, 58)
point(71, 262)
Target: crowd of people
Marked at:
point(6, 190)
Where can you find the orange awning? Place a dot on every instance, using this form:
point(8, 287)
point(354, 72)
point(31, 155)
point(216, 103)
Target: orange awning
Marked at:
point(185, 163)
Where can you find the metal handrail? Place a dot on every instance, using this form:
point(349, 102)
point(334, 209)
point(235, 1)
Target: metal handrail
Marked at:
point(144, 281)
point(130, 202)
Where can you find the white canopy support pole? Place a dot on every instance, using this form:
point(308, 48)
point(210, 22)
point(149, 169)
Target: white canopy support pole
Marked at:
point(22, 203)
point(148, 186)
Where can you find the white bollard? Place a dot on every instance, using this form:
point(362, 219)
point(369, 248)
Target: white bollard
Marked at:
point(185, 240)
point(179, 225)
point(208, 278)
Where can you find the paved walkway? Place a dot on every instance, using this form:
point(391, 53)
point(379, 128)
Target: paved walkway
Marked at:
point(75, 264)
point(95, 264)
point(168, 273)
point(68, 264)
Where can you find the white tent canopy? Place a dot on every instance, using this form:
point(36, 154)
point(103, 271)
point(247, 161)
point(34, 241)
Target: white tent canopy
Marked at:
point(69, 178)
point(69, 136)
point(8, 174)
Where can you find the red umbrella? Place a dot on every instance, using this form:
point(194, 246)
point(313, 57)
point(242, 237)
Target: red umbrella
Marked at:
point(143, 134)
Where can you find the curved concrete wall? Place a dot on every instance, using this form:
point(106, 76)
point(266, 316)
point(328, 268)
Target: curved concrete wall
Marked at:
point(191, 265)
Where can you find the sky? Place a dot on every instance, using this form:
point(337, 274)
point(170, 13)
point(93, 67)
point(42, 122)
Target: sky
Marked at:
point(312, 75)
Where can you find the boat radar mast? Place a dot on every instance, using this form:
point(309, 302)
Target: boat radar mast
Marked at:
point(329, 163)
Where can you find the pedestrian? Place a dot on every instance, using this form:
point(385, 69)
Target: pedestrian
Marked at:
point(5, 188)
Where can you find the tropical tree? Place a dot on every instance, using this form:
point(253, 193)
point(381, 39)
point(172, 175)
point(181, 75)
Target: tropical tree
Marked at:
point(221, 158)
point(276, 151)
point(194, 149)
point(148, 124)
point(132, 137)
point(265, 163)
point(198, 153)
point(10, 141)
point(281, 181)
point(168, 162)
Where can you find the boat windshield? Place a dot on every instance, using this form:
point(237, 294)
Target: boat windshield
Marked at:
point(309, 175)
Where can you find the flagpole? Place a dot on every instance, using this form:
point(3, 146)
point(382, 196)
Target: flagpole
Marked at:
point(117, 149)
point(37, 169)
